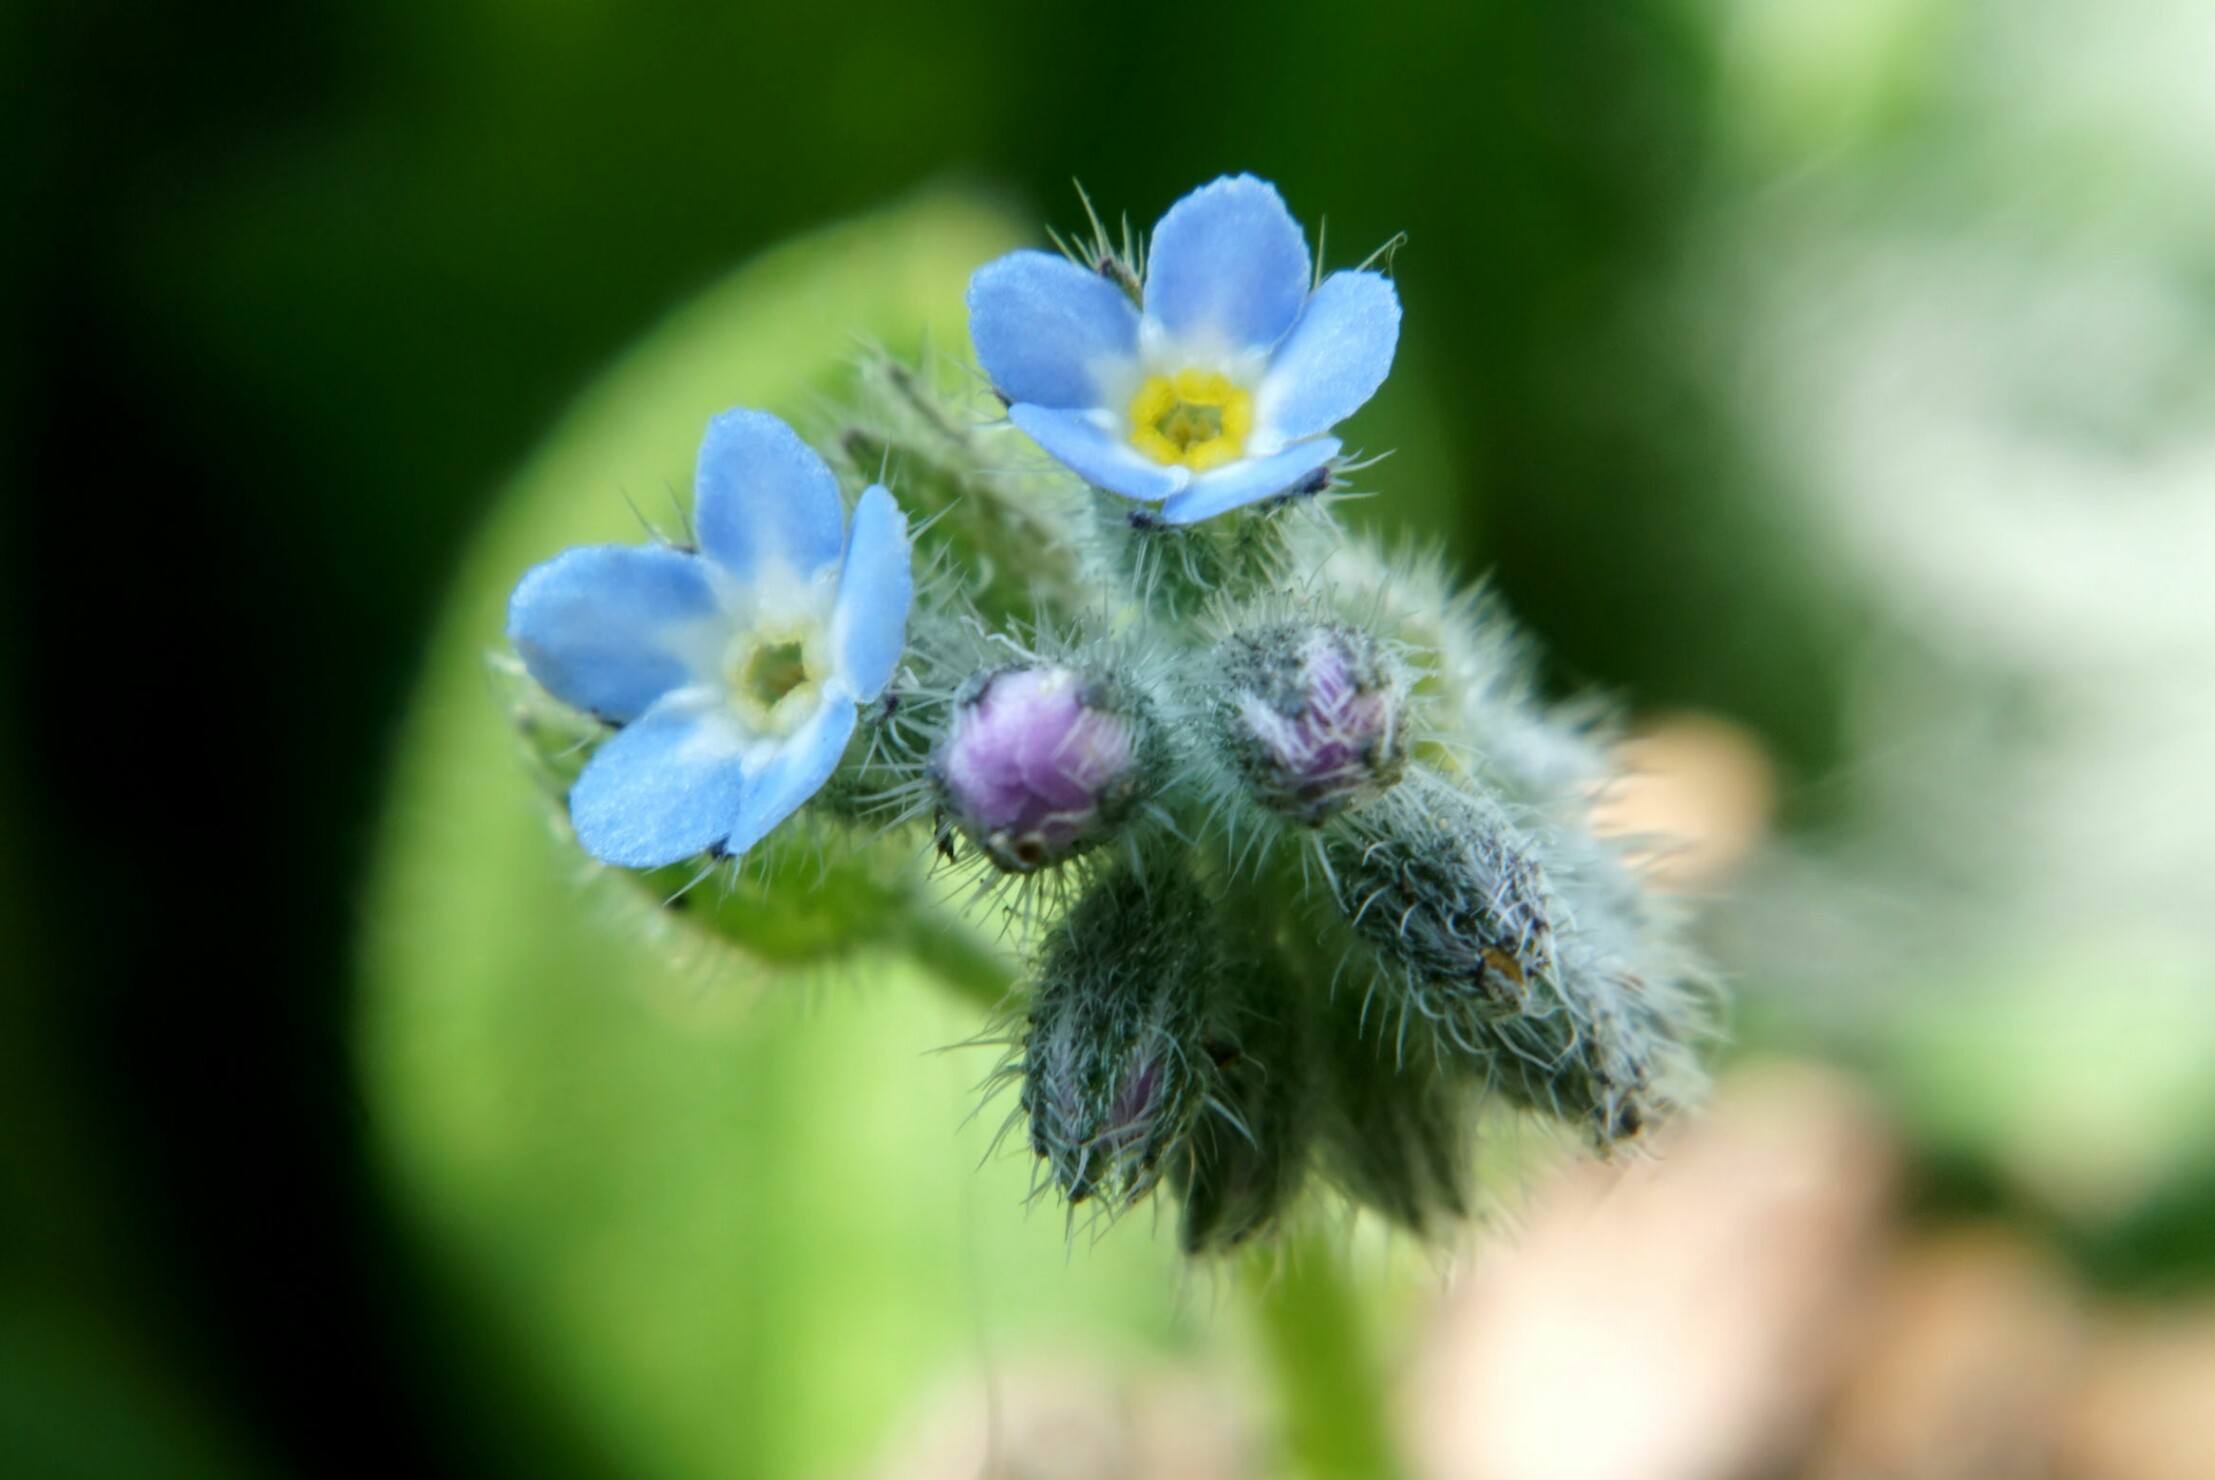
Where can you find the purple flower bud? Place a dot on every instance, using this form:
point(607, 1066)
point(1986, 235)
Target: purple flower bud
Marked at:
point(1137, 1100)
point(1314, 718)
point(1039, 764)
point(1116, 1149)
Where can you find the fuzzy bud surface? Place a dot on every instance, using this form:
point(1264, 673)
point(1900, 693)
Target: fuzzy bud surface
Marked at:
point(1313, 718)
point(1113, 1070)
point(1039, 764)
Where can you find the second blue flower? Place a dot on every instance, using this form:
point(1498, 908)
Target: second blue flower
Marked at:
point(1221, 387)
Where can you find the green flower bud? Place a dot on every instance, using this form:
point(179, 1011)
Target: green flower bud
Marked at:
point(1113, 1067)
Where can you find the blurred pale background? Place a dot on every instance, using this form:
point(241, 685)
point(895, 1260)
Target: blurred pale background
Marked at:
point(1831, 380)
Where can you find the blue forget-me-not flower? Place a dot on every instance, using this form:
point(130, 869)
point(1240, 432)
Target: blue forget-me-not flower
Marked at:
point(735, 672)
point(1218, 389)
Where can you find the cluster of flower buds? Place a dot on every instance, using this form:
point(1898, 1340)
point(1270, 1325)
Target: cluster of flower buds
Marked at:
point(1303, 871)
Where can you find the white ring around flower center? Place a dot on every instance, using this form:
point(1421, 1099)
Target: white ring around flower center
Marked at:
point(774, 673)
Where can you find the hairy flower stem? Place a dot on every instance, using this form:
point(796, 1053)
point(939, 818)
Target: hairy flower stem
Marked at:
point(1323, 1356)
point(964, 965)
point(1176, 572)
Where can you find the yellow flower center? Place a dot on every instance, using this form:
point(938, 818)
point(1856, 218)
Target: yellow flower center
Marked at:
point(775, 675)
point(1198, 418)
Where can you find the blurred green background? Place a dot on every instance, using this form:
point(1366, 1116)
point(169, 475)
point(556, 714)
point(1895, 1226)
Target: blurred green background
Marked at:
point(1840, 370)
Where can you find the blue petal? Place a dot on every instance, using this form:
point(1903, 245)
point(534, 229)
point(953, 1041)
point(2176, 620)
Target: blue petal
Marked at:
point(1241, 483)
point(869, 628)
point(1100, 458)
point(796, 772)
point(764, 499)
point(612, 628)
point(1228, 263)
point(1335, 357)
point(1041, 324)
point(665, 788)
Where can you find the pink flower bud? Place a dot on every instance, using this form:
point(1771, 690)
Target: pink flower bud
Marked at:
point(1039, 764)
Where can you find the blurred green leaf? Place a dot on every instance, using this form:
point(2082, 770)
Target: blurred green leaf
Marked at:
point(2085, 1089)
point(723, 1227)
